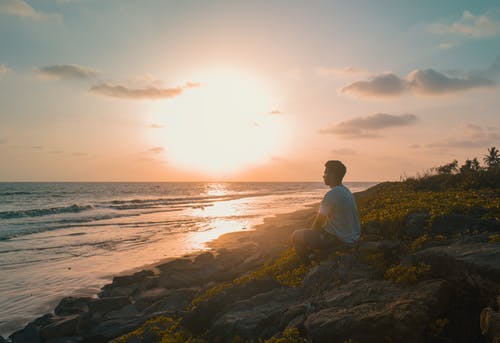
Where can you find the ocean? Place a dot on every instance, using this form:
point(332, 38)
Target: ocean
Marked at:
point(62, 239)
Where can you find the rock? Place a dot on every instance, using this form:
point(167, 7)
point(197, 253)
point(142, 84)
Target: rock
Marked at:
point(258, 317)
point(204, 258)
point(201, 317)
point(3, 340)
point(377, 311)
point(61, 327)
point(146, 298)
point(342, 268)
point(31, 332)
point(112, 328)
point(72, 339)
point(120, 281)
point(460, 259)
point(108, 304)
point(72, 305)
point(128, 311)
point(171, 302)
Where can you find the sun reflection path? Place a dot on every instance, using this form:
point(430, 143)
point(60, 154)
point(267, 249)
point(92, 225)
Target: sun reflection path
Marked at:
point(223, 217)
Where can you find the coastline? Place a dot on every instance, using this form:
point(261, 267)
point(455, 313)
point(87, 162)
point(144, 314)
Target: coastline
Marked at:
point(250, 284)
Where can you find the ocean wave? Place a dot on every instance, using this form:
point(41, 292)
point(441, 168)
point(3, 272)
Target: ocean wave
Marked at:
point(15, 193)
point(38, 212)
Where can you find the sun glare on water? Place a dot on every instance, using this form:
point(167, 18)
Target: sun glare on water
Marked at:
point(222, 126)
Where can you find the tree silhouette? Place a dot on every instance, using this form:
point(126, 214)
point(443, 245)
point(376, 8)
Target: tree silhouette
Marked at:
point(492, 160)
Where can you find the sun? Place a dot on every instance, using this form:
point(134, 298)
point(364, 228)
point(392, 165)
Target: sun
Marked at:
point(226, 124)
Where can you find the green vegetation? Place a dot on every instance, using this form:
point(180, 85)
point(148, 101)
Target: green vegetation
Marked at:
point(407, 275)
point(286, 269)
point(467, 190)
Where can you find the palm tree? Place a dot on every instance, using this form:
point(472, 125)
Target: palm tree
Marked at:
point(492, 160)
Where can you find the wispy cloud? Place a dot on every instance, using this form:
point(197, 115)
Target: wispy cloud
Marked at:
point(151, 92)
point(420, 81)
point(447, 45)
point(3, 70)
point(157, 150)
point(67, 71)
point(387, 84)
point(345, 72)
point(23, 9)
point(469, 25)
point(369, 126)
point(274, 112)
point(431, 82)
point(469, 136)
point(156, 126)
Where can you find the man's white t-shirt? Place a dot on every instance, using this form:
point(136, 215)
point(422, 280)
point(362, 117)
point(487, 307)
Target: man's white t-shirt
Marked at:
point(341, 213)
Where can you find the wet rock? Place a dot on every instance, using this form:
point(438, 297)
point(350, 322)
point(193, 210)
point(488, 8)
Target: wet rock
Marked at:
point(128, 311)
point(377, 311)
point(61, 327)
point(171, 302)
point(72, 305)
point(204, 258)
point(72, 339)
point(108, 304)
point(112, 328)
point(120, 281)
point(31, 332)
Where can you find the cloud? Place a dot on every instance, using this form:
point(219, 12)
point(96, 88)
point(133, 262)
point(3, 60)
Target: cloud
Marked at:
point(37, 147)
point(470, 25)
point(157, 150)
point(426, 81)
point(344, 151)
point(3, 70)
point(431, 82)
point(387, 84)
point(21, 8)
point(17, 7)
point(124, 92)
point(367, 127)
point(274, 112)
point(469, 136)
point(156, 126)
point(341, 72)
point(67, 71)
point(192, 84)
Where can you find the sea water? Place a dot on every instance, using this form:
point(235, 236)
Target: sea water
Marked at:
point(62, 239)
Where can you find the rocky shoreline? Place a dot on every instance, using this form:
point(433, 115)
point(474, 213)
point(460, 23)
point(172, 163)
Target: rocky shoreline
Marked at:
point(434, 291)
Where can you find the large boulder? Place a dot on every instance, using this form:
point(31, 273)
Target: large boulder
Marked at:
point(261, 316)
point(202, 316)
point(464, 257)
point(377, 311)
point(72, 305)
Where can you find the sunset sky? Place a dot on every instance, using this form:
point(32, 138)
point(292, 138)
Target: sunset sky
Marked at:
point(123, 90)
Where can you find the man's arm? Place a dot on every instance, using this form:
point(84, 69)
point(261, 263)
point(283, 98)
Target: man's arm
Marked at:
point(319, 222)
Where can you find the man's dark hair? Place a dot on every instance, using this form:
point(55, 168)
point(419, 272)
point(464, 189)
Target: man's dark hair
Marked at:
point(337, 167)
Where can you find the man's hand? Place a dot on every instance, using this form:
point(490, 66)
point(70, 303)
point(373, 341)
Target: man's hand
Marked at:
point(319, 222)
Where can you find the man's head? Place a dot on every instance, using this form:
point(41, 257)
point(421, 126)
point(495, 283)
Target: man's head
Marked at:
point(334, 172)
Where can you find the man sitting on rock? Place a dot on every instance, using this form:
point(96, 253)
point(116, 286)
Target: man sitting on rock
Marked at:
point(337, 222)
